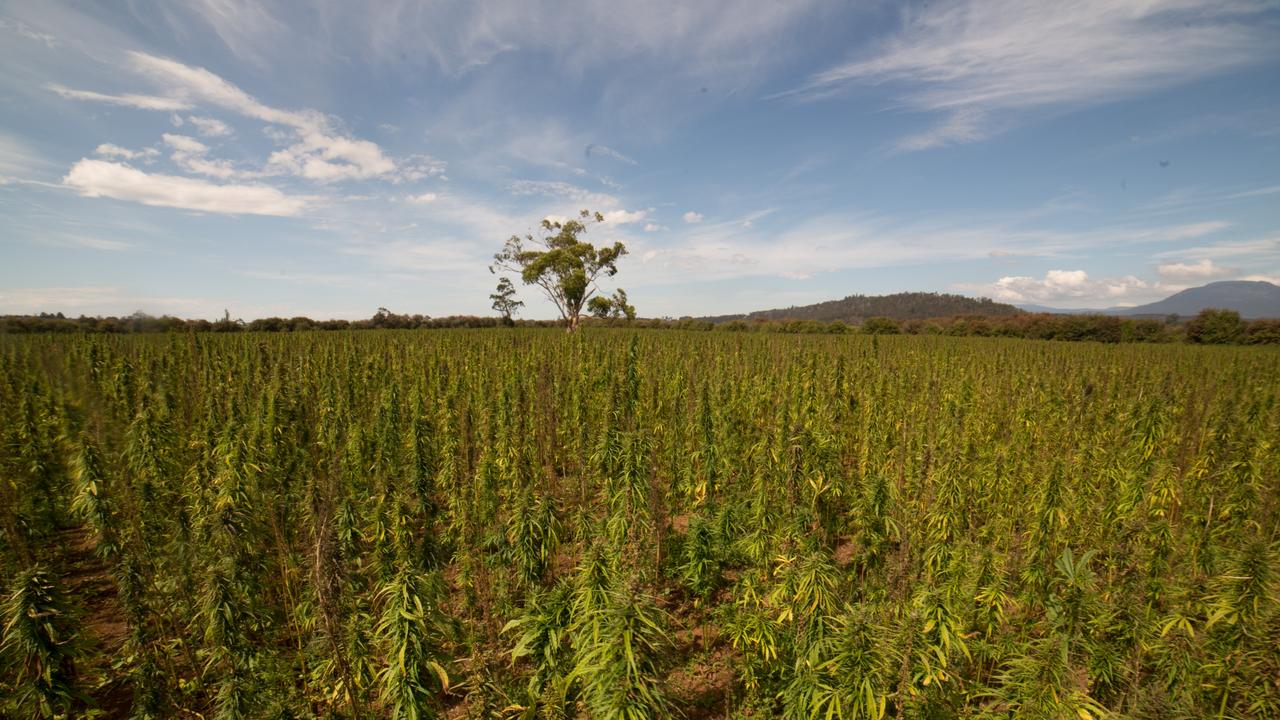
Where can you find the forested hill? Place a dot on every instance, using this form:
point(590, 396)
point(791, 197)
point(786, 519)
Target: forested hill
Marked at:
point(899, 306)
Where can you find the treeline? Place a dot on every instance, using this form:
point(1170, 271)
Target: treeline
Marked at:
point(144, 323)
point(1210, 327)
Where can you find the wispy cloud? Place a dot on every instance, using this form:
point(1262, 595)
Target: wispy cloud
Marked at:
point(979, 61)
point(99, 178)
point(110, 150)
point(553, 188)
point(142, 102)
point(594, 150)
point(318, 151)
point(742, 247)
point(1254, 251)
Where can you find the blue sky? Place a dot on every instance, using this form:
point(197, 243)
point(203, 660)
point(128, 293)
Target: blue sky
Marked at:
point(328, 158)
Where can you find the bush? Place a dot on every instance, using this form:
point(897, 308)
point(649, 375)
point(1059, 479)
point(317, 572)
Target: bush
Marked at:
point(1215, 327)
point(880, 326)
point(1262, 332)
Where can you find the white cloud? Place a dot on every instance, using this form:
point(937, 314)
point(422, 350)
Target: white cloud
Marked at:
point(120, 301)
point(209, 127)
point(244, 26)
point(419, 167)
point(821, 244)
point(795, 275)
point(624, 217)
point(95, 243)
point(1254, 251)
point(29, 33)
point(183, 143)
point(318, 151)
point(63, 299)
point(654, 227)
point(978, 60)
point(143, 102)
point(423, 199)
point(322, 279)
point(324, 158)
point(692, 217)
point(1202, 270)
point(17, 158)
point(1066, 285)
point(190, 155)
point(594, 150)
point(965, 125)
point(109, 150)
point(721, 40)
point(99, 178)
point(565, 191)
point(1274, 279)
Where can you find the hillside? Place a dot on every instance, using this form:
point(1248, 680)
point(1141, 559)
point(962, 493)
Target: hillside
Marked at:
point(899, 306)
point(1251, 298)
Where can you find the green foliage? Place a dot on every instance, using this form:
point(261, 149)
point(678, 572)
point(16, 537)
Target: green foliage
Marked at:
point(626, 523)
point(701, 563)
point(39, 649)
point(413, 674)
point(504, 299)
point(562, 265)
point(879, 326)
point(619, 664)
point(1215, 327)
point(612, 307)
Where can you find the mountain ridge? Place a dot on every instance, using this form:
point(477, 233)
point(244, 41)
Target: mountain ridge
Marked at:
point(1253, 299)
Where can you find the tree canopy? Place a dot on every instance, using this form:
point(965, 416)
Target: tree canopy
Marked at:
point(504, 300)
point(563, 265)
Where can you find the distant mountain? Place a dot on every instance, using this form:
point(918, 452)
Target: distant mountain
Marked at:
point(1251, 298)
point(900, 306)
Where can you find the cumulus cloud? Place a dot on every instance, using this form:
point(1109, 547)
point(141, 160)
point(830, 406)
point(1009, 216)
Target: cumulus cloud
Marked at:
point(624, 217)
point(1205, 269)
point(692, 217)
point(423, 199)
point(99, 178)
point(978, 60)
point(654, 227)
point(1064, 285)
